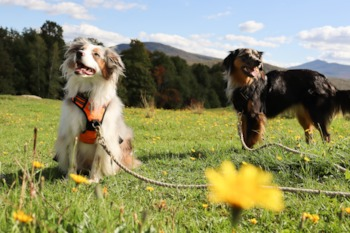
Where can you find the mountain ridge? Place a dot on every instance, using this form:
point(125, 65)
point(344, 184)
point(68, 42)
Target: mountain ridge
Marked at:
point(331, 70)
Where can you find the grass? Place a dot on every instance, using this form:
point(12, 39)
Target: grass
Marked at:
point(175, 147)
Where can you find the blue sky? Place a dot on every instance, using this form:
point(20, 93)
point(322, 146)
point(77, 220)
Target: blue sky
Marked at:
point(289, 32)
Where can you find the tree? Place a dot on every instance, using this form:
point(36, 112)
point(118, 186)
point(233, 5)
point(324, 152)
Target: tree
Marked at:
point(7, 68)
point(138, 79)
point(52, 34)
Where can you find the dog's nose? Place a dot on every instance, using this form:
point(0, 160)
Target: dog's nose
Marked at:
point(80, 53)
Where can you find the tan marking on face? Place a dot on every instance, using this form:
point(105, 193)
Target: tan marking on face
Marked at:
point(239, 79)
point(101, 62)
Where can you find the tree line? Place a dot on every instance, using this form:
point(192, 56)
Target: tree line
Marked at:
point(30, 64)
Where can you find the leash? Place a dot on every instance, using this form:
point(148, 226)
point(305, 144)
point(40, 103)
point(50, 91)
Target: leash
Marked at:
point(103, 144)
point(240, 132)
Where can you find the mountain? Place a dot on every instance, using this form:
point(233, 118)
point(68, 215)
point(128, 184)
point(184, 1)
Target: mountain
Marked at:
point(332, 70)
point(191, 58)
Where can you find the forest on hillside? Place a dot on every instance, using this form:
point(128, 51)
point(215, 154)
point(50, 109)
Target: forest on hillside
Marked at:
point(31, 59)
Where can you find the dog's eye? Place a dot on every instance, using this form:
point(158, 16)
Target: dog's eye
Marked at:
point(97, 54)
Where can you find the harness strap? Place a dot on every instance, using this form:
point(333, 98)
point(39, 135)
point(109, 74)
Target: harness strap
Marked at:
point(94, 117)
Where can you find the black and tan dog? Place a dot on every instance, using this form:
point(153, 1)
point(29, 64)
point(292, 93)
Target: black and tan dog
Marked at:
point(256, 96)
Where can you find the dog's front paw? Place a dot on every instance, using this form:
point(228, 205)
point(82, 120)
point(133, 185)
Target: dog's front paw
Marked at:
point(94, 180)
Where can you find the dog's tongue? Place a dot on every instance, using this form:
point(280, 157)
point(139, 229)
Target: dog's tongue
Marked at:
point(83, 70)
point(255, 72)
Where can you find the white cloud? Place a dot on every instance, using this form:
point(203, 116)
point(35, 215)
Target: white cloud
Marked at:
point(279, 39)
point(68, 8)
point(219, 15)
point(333, 42)
point(247, 41)
point(250, 26)
point(116, 4)
point(199, 44)
point(85, 30)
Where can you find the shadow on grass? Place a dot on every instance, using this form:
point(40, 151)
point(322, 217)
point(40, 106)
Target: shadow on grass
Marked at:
point(50, 174)
point(170, 155)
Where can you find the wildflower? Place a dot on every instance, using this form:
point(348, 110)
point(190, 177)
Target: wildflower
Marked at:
point(313, 217)
point(162, 205)
point(192, 158)
point(253, 221)
point(347, 210)
point(306, 159)
point(164, 173)
point(244, 189)
point(193, 150)
point(279, 158)
point(105, 191)
point(205, 206)
point(37, 164)
point(22, 217)
point(74, 190)
point(78, 179)
point(149, 188)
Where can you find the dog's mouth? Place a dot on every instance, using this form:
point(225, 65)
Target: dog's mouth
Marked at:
point(82, 69)
point(251, 71)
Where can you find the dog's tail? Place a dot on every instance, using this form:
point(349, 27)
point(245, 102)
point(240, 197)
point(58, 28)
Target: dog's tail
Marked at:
point(343, 101)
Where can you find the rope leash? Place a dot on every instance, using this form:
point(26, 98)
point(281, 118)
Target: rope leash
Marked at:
point(240, 132)
point(103, 144)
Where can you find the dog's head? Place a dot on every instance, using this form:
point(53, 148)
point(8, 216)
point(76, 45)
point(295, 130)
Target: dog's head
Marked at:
point(242, 66)
point(84, 60)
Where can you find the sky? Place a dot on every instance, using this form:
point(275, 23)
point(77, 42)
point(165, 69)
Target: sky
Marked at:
point(289, 32)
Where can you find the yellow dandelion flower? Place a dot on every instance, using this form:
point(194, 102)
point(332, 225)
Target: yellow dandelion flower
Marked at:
point(279, 158)
point(79, 179)
point(193, 150)
point(149, 188)
point(22, 217)
point(253, 221)
point(315, 218)
point(205, 206)
point(74, 190)
point(192, 158)
point(37, 164)
point(306, 159)
point(105, 191)
point(164, 173)
point(347, 210)
point(245, 188)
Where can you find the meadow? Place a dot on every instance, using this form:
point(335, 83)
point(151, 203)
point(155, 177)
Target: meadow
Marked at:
point(175, 147)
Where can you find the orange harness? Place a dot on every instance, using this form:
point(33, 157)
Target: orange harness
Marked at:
point(94, 118)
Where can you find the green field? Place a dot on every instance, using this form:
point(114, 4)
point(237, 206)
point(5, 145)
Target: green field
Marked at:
point(175, 147)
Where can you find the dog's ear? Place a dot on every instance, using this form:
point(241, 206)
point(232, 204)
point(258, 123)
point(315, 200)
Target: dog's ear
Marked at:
point(260, 54)
point(113, 60)
point(228, 61)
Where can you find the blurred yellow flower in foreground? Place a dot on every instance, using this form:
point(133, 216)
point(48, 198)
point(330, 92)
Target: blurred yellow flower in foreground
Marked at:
point(313, 217)
point(22, 217)
point(347, 210)
point(79, 179)
point(244, 189)
point(37, 164)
